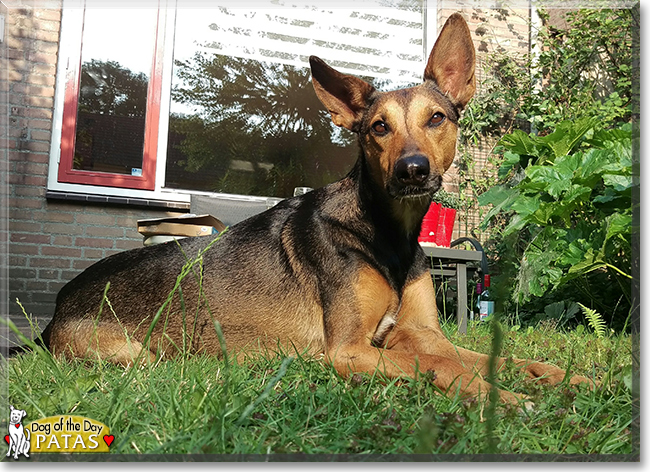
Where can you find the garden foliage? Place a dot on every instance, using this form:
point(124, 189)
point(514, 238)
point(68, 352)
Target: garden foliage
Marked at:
point(559, 204)
point(572, 205)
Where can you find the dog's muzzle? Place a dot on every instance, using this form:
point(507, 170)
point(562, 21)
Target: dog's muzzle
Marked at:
point(412, 177)
point(412, 170)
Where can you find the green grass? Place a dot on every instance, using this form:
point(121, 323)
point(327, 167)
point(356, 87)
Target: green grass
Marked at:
point(198, 404)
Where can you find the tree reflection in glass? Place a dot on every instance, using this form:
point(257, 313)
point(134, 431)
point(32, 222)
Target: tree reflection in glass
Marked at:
point(113, 90)
point(244, 118)
point(257, 128)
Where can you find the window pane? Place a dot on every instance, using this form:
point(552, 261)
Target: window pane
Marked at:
point(244, 117)
point(116, 58)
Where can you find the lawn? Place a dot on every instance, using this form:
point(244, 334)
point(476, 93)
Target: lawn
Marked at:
point(296, 404)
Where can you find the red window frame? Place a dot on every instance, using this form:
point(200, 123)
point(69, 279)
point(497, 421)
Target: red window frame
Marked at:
point(67, 173)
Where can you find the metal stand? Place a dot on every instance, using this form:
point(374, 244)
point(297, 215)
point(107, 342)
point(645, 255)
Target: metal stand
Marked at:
point(442, 256)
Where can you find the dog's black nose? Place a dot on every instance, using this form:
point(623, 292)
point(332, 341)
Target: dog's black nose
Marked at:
point(412, 170)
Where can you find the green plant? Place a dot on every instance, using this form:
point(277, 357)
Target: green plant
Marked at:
point(595, 321)
point(557, 191)
point(584, 70)
point(447, 199)
point(568, 195)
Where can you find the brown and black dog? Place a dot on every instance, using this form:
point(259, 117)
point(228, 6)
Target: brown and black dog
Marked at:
point(337, 271)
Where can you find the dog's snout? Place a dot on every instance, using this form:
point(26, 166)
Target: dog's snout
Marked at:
point(412, 170)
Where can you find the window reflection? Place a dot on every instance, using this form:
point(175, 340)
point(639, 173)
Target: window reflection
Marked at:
point(244, 117)
point(261, 130)
point(113, 91)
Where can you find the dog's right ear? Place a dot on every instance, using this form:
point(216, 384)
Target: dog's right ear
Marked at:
point(345, 96)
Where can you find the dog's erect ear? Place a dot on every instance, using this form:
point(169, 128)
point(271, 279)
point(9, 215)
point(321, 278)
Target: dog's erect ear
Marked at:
point(451, 62)
point(345, 96)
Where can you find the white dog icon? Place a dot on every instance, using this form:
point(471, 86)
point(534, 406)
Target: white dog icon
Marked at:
point(17, 439)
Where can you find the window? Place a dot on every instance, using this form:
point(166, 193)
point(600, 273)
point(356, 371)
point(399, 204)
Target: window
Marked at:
point(178, 100)
point(112, 97)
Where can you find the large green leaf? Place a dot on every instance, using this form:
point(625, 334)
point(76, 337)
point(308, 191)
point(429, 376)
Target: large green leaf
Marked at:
point(593, 161)
point(567, 135)
point(577, 192)
point(544, 174)
point(517, 222)
point(607, 137)
point(543, 214)
point(521, 143)
point(567, 165)
point(557, 188)
point(536, 287)
point(609, 196)
point(496, 195)
point(501, 197)
point(575, 252)
point(554, 310)
point(620, 183)
point(510, 160)
point(591, 261)
point(618, 224)
point(526, 205)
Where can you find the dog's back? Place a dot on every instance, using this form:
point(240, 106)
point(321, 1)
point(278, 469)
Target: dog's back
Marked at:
point(262, 280)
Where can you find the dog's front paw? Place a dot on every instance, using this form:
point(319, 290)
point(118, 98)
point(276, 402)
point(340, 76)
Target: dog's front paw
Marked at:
point(579, 379)
point(551, 375)
point(545, 373)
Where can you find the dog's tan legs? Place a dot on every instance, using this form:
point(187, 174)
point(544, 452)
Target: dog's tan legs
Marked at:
point(417, 330)
point(90, 340)
point(351, 340)
point(449, 375)
point(538, 371)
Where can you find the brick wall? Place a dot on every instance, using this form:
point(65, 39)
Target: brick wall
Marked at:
point(50, 241)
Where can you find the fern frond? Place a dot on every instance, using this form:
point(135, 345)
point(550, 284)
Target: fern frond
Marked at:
point(595, 320)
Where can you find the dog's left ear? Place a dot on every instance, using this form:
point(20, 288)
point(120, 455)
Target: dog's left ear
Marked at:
point(451, 62)
point(24, 413)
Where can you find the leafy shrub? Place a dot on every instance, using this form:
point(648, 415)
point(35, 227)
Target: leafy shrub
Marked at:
point(569, 197)
point(559, 200)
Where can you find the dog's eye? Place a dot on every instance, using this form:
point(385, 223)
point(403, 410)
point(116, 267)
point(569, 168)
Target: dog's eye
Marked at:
point(380, 127)
point(436, 119)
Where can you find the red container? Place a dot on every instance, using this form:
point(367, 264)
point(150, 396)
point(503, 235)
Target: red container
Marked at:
point(438, 225)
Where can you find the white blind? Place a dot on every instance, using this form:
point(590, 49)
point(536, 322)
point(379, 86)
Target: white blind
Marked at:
point(367, 38)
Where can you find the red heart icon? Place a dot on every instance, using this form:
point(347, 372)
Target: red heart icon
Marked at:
point(17, 425)
point(108, 439)
point(7, 438)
